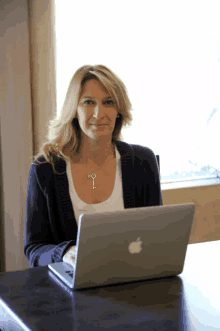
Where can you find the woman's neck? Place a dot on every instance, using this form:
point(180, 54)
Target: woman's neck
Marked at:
point(96, 154)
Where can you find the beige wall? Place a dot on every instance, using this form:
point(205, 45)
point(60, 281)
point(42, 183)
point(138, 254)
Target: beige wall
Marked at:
point(206, 224)
point(42, 55)
point(30, 44)
point(27, 100)
point(16, 127)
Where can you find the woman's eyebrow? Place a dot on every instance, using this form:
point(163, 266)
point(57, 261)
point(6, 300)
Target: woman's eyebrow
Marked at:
point(89, 96)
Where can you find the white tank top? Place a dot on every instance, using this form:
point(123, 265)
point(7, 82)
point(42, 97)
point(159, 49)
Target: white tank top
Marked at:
point(113, 203)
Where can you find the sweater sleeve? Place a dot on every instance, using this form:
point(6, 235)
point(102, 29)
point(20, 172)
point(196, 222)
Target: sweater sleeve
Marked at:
point(155, 196)
point(148, 185)
point(40, 247)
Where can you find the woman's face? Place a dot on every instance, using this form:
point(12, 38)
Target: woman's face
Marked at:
point(96, 111)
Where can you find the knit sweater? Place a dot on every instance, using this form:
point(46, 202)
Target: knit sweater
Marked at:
point(51, 224)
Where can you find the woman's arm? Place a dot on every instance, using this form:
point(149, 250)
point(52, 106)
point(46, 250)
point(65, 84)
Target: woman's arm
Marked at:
point(40, 247)
point(155, 196)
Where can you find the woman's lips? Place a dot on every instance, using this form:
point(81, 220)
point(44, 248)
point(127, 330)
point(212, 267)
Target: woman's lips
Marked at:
point(99, 124)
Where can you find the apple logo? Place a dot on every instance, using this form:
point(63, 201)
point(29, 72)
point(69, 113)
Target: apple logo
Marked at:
point(135, 246)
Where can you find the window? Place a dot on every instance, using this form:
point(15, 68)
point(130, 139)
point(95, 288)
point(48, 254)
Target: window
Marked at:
point(168, 55)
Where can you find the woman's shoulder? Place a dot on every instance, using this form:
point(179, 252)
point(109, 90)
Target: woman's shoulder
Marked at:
point(136, 148)
point(40, 162)
point(144, 156)
point(143, 152)
point(41, 165)
point(139, 151)
point(142, 149)
point(40, 169)
point(43, 171)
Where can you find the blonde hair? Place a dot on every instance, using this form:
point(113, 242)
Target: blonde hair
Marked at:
point(64, 133)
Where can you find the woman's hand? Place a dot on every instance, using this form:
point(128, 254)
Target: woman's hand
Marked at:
point(70, 255)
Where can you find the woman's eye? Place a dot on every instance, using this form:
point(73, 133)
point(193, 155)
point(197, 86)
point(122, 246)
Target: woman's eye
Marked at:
point(87, 102)
point(110, 102)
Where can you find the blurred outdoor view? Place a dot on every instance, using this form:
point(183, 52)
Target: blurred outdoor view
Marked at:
point(168, 55)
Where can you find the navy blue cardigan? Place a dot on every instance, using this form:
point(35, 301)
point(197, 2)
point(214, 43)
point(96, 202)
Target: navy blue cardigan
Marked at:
point(50, 224)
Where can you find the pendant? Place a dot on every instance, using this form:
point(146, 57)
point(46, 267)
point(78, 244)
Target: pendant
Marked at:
point(93, 176)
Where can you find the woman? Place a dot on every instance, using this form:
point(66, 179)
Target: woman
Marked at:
point(84, 167)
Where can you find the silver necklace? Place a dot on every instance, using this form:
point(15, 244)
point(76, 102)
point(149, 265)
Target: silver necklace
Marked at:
point(93, 176)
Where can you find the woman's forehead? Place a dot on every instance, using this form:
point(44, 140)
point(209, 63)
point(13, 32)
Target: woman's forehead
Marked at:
point(92, 87)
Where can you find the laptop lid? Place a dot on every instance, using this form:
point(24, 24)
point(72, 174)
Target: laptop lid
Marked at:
point(129, 245)
point(132, 244)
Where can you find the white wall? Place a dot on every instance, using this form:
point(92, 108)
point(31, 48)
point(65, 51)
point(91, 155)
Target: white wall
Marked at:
point(167, 53)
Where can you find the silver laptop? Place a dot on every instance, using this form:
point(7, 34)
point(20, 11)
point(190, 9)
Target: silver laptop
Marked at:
point(129, 245)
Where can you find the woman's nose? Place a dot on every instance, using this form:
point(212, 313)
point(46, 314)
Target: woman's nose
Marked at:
point(97, 110)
